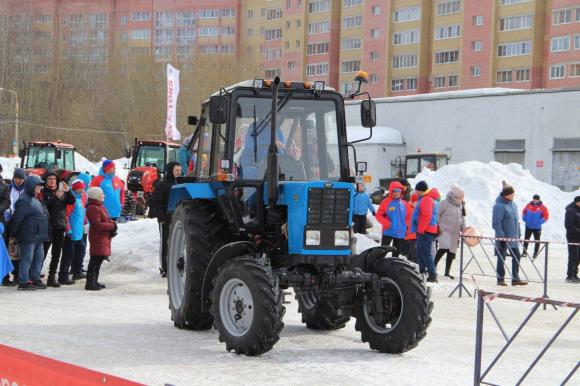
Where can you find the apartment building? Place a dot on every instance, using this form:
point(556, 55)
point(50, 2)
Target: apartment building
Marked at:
point(406, 46)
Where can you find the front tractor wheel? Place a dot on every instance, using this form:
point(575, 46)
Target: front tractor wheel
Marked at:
point(246, 307)
point(406, 308)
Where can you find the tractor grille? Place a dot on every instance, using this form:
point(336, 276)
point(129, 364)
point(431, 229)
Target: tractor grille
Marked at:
point(328, 206)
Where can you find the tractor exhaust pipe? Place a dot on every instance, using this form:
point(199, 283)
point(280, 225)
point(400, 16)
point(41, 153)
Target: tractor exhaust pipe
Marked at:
point(272, 168)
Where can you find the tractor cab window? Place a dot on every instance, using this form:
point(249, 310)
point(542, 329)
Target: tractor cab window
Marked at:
point(171, 154)
point(68, 158)
point(306, 138)
point(204, 151)
point(219, 148)
point(151, 156)
point(41, 157)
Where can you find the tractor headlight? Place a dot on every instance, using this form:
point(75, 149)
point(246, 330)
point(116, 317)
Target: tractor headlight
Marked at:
point(342, 238)
point(312, 237)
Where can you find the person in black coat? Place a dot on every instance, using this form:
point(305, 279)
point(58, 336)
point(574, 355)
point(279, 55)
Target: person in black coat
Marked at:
point(56, 198)
point(572, 225)
point(29, 226)
point(159, 204)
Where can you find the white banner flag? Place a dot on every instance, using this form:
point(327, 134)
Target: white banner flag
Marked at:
point(172, 93)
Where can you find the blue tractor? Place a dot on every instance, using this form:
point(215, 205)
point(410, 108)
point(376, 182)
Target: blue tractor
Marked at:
point(268, 207)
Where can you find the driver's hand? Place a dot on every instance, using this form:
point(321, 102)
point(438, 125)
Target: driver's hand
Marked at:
point(59, 193)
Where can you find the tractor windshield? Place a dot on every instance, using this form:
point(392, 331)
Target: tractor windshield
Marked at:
point(48, 157)
point(306, 137)
point(151, 156)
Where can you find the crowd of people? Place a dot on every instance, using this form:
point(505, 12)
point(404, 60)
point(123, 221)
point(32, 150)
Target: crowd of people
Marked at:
point(45, 216)
point(424, 227)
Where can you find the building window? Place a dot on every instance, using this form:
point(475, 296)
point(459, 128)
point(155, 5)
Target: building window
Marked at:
point(374, 55)
point(298, 23)
point(205, 31)
point(140, 16)
point(373, 78)
point(185, 19)
point(562, 16)
point(250, 13)
point(228, 31)
point(287, 45)
point(504, 76)
point(453, 80)
point(397, 85)
point(478, 20)
point(209, 14)
point(319, 27)
point(164, 19)
point(287, 24)
point(510, 2)
point(514, 49)
point(406, 14)
point(577, 14)
point(411, 84)
point(347, 88)
point(475, 71)
point(351, 44)
point(165, 36)
point(406, 37)
point(447, 32)
point(438, 82)
point(274, 14)
point(376, 10)
point(250, 32)
point(317, 48)
point(576, 39)
point(163, 53)
point(447, 57)
point(560, 43)
point(44, 19)
point(375, 33)
point(351, 3)
point(272, 53)
point(229, 12)
point(291, 66)
point(510, 151)
point(124, 19)
point(140, 34)
point(298, 43)
point(351, 22)
point(476, 45)
point(515, 22)
point(272, 34)
point(185, 36)
point(523, 75)
point(405, 61)
point(315, 6)
point(272, 73)
point(317, 69)
point(557, 71)
point(448, 6)
point(350, 66)
point(574, 70)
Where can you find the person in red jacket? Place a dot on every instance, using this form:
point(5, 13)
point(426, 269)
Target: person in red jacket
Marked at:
point(102, 229)
point(424, 222)
point(535, 214)
point(409, 249)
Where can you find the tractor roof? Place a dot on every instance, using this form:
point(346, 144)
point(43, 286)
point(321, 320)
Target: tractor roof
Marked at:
point(157, 143)
point(250, 84)
point(51, 144)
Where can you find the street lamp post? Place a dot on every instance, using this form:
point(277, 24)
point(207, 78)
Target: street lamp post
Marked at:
point(17, 115)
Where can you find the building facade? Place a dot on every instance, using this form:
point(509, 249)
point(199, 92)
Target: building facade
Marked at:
point(406, 46)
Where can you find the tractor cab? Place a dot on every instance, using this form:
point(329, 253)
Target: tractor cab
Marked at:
point(148, 160)
point(39, 157)
point(416, 162)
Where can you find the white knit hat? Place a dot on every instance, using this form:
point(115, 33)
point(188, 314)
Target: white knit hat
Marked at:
point(95, 193)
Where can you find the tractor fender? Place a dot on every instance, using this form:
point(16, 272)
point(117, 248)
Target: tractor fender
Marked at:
point(222, 255)
point(366, 259)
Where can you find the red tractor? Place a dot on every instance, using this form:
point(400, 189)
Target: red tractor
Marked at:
point(148, 160)
point(39, 157)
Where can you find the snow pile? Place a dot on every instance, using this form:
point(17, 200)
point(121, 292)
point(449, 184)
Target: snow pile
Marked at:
point(482, 183)
point(84, 165)
point(122, 166)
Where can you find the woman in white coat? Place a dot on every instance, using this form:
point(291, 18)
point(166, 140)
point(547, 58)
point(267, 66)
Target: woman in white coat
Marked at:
point(451, 218)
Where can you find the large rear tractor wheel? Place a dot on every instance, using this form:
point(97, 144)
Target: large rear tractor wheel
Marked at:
point(406, 309)
point(319, 314)
point(247, 307)
point(197, 232)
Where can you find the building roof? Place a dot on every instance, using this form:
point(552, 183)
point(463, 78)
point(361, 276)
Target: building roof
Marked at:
point(381, 135)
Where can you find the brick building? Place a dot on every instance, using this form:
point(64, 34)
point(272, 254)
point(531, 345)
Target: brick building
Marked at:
point(407, 46)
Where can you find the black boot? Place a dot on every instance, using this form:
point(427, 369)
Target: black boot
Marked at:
point(98, 271)
point(91, 284)
point(448, 262)
point(51, 282)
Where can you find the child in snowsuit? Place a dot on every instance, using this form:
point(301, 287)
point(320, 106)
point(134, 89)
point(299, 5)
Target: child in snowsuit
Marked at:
point(361, 205)
point(102, 229)
point(391, 214)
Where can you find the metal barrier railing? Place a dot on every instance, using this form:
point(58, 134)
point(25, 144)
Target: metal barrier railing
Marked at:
point(482, 251)
point(484, 298)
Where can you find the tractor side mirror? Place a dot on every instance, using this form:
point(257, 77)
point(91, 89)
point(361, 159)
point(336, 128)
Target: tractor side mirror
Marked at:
point(361, 167)
point(368, 113)
point(192, 120)
point(218, 109)
point(128, 151)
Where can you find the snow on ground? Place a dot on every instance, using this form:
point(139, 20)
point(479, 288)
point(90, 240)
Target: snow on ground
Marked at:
point(482, 184)
point(126, 330)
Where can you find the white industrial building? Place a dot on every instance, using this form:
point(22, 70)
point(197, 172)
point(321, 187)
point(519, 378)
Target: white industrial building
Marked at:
point(539, 129)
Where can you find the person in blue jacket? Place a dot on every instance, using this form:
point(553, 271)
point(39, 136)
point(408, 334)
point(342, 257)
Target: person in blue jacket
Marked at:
point(5, 264)
point(184, 156)
point(74, 245)
point(506, 224)
point(361, 205)
point(113, 187)
point(29, 226)
point(392, 215)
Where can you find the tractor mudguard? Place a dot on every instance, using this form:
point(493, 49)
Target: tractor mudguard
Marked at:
point(366, 259)
point(225, 253)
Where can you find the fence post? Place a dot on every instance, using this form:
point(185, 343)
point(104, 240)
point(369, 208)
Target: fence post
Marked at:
point(545, 295)
point(478, 339)
point(461, 267)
